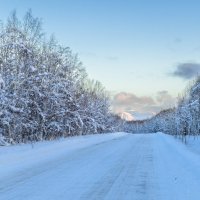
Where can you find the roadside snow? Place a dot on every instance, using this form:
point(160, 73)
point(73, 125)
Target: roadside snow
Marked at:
point(108, 166)
point(177, 169)
point(193, 143)
point(17, 158)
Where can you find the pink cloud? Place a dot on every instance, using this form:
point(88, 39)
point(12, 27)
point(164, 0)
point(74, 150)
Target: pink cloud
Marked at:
point(124, 102)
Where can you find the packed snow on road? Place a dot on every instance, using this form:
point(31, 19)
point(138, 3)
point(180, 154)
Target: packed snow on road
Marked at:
point(115, 166)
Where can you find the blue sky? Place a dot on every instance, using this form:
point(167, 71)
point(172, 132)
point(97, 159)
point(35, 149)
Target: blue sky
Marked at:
point(132, 47)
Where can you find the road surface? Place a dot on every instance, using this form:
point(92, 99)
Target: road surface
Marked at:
point(134, 166)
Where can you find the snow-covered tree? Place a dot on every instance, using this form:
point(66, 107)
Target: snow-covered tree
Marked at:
point(182, 120)
point(44, 90)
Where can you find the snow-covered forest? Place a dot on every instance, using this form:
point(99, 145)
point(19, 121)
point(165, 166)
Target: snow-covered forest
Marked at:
point(182, 120)
point(45, 91)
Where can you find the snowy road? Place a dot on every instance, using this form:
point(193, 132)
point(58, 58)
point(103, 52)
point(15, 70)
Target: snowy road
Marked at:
point(153, 166)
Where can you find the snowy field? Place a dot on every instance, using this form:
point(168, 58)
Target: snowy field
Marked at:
point(109, 166)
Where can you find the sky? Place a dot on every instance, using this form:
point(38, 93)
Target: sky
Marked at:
point(143, 51)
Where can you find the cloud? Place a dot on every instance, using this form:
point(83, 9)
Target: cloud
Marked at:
point(165, 100)
point(130, 98)
point(129, 101)
point(141, 107)
point(187, 70)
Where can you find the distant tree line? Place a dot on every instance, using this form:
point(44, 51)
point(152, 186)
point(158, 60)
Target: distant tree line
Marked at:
point(182, 120)
point(44, 90)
